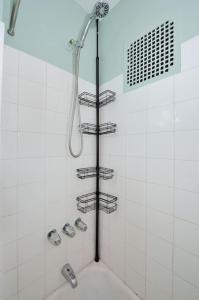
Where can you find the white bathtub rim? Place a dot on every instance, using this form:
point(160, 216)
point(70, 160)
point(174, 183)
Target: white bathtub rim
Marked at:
point(96, 267)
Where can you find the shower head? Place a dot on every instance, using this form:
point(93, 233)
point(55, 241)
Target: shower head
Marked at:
point(101, 9)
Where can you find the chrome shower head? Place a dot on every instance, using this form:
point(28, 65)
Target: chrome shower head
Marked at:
point(101, 9)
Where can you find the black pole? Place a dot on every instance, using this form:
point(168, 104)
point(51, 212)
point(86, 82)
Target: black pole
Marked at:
point(97, 145)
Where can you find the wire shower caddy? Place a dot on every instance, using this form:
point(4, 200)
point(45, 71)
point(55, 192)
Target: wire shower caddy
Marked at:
point(87, 202)
point(89, 99)
point(104, 173)
point(93, 129)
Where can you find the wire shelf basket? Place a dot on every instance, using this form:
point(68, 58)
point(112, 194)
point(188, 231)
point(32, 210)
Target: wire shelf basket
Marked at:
point(84, 173)
point(89, 99)
point(105, 128)
point(107, 203)
point(106, 97)
point(104, 173)
point(87, 202)
point(88, 128)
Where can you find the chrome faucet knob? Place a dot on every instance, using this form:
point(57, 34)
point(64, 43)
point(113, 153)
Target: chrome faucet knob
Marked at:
point(69, 230)
point(80, 225)
point(54, 237)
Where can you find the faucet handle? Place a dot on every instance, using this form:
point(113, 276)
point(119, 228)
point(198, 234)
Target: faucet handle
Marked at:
point(54, 237)
point(69, 230)
point(80, 225)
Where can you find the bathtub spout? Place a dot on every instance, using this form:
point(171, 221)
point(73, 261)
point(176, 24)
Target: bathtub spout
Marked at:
point(69, 275)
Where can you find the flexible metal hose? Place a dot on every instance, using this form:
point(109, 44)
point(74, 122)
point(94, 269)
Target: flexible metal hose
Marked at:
point(75, 103)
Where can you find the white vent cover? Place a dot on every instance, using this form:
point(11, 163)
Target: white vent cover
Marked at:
point(151, 55)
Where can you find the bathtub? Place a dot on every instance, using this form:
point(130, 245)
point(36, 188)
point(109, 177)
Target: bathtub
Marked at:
point(95, 282)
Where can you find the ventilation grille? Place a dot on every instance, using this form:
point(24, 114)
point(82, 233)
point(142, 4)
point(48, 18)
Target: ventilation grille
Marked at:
point(151, 55)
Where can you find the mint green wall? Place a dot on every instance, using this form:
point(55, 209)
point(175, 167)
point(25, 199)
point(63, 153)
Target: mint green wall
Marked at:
point(1, 10)
point(43, 29)
point(131, 19)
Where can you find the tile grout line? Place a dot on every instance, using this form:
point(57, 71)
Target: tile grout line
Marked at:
point(17, 185)
point(45, 206)
point(146, 209)
point(173, 188)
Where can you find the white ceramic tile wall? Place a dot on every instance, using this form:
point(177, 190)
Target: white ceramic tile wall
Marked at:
point(152, 241)
point(39, 177)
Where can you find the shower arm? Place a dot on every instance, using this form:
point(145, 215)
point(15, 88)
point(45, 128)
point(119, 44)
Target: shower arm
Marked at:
point(13, 18)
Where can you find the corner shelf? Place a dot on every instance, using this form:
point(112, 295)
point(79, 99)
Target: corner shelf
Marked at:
point(107, 203)
point(83, 173)
point(89, 99)
point(104, 173)
point(87, 202)
point(106, 97)
point(105, 128)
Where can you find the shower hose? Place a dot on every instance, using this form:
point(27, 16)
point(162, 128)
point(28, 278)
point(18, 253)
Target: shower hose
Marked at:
point(75, 104)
